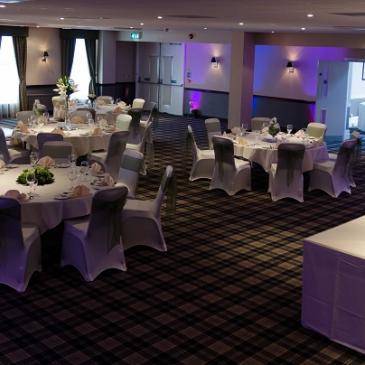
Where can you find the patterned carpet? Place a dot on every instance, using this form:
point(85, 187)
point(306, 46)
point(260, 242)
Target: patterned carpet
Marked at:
point(228, 291)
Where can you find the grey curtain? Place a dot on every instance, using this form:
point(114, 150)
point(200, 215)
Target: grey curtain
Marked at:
point(91, 60)
point(67, 55)
point(20, 48)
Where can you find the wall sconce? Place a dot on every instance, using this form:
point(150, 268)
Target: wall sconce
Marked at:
point(290, 67)
point(45, 56)
point(214, 62)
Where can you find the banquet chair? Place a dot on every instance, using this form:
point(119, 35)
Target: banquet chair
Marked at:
point(80, 116)
point(355, 158)
point(103, 100)
point(111, 159)
point(12, 155)
point(58, 103)
point(213, 127)
point(129, 171)
point(286, 176)
point(20, 246)
point(60, 151)
point(42, 138)
point(138, 103)
point(317, 130)
point(203, 160)
point(146, 214)
point(149, 109)
point(123, 122)
point(332, 176)
point(93, 244)
point(257, 123)
point(24, 115)
point(90, 110)
point(230, 174)
point(135, 130)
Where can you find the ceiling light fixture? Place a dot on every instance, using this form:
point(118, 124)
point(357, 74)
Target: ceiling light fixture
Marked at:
point(141, 23)
point(273, 31)
point(303, 28)
point(160, 17)
point(310, 15)
point(241, 23)
point(205, 28)
point(62, 18)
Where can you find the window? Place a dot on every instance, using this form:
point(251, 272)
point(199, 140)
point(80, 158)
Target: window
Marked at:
point(80, 72)
point(9, 90)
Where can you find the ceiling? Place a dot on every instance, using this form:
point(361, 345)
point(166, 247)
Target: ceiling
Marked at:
point(330, 16)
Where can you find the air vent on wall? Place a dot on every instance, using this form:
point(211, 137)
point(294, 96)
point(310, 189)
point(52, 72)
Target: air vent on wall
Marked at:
point(190, 16)
point(127, 28)
point(349, 27)
point(349, 14)
point(85, 18)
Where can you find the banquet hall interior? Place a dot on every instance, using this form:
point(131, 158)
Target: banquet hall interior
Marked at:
point(182, 182)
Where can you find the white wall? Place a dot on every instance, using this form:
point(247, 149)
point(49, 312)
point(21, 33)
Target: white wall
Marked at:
point(40, 40)
point(357, 83)
point(199, 73)
point(107, 60)
point(125, 62)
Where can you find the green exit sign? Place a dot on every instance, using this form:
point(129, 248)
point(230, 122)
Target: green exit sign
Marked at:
point(136, 35)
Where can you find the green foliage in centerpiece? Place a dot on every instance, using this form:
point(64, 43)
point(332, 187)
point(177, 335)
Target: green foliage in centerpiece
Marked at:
point(274, 127)
point(42, 174)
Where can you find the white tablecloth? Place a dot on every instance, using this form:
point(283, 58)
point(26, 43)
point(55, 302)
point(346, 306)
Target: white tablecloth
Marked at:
point(44, 210)
point(265, 153)
point(82, 140)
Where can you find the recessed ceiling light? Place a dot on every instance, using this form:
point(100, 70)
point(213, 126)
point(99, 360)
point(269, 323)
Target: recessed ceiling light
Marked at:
point(273, 31)
point(62, 18)
point(205, 28)
point(160, 17)
point(2, 6)
point(131, 27)
point(310, 15)
point(38, 26)
point(141, 23)
point(303, 28)
point(241, 23)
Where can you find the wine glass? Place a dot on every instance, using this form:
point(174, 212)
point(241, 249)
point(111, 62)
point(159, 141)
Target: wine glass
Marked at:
point(32, 183)
point(33, 158)
point(84, 169)
point(289, 128)
point(72, 176)
point(72, 158)
point(46, 117)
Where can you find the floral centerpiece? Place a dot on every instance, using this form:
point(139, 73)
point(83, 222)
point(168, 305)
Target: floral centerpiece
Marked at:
point(274, 127)
point(42, 174)
point(38, 108)
point(65, 86)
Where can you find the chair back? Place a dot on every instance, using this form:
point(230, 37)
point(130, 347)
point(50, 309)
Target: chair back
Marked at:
point(130, 167)
point(191, 143)
point(90, 110)
point(47, 137)
point(166, 187)
point(344, 158)
point(149, 109)
point(80, 116)
point(138, 103)
point(24, 115)
point(58, 150)
point(117, 143)
point(134, 127)
point(213, 127)
point(59, 107)
point(104, 230)
point(317, 130)
point(104, 100)
point(258, 122)
point(290, 159)
point(11, 238)
point(224, 155)
point(4, 152)
point(123, 122)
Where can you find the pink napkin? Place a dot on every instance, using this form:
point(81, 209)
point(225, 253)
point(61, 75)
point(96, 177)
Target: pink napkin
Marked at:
point(16, 194)
point(118, 109)
point(22, 127)
point(57, 131)
point(77, 119)
point(108, 180)
point(97, 131)
point(46, 161)
point(80, 190)
point(95, 168)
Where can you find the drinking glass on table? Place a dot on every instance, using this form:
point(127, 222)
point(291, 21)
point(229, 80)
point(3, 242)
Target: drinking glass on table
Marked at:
point(84, 171)
point(32, 183)
point(289, 128)
point(72, 158)
point(90, 122)
point(33, 158)
point(72, 176)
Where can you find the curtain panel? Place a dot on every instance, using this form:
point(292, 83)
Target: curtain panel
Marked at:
point(20, 48)
point(91, 60)
point(67, 55)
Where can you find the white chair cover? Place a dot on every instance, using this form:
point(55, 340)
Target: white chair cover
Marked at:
point(258, 122)
point(332, 176)
point(213, 127)
point(286, 177)
point(135, 130)
point(317, 130)
point(11, 155)
point(129, 170)
point(42, 138)
point(146, 214)
point(150, 108)
point(60, 151)
point(203, 160)
point(84, 115)
point(111, 160)
point(104, 100)
point(138, 103)
point(123, 122)
point(229, 174)
point(59, 107)
point(93, 244)
point(20, 247)
point(24, 116)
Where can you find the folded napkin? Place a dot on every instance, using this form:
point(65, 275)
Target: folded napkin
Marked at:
point(103, 123)
point(57, 131)
point(122, 104)
point(241, 140)
point(118, 109)
point(95, 169)
point(76, 119)
point(80, 190)
point(97, 131)
point(236, 130)
point(16, 194)
point(46, 161)
point(15, 141)
point(22, 127)
point(300, 134)
point(265, 130)
point(42, 119)
point(108, 180)
point(2, 164)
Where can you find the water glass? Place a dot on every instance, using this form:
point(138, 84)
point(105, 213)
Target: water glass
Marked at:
point(72, 176)
point(32, 183)
point(84, 171)
point(289, 128)
point(33, 158)
point(72, 158)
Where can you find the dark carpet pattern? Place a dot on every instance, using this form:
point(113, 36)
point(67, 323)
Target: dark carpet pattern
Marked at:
point(228, 291)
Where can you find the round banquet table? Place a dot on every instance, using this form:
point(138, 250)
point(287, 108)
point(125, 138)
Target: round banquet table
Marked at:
point(265, 153)
point(82, 139)
point(44, 210)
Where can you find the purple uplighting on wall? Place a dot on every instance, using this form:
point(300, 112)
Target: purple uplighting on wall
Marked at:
point(195, 100)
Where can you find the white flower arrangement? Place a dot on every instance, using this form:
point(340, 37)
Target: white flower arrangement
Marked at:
point(65, 86)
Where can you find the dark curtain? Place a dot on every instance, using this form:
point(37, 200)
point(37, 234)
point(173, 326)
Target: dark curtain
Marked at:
point(20, 48)
point(67, 55)
point(91, 60)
